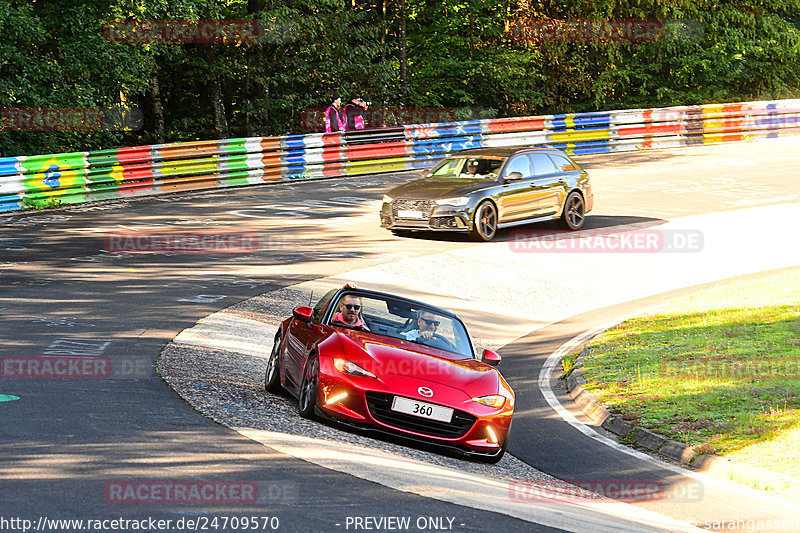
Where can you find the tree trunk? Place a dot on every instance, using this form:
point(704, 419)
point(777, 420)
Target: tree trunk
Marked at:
point(255, 56)
point(158, 109)
point(403, 54)
point(220, 122)
point(248, 91)
point(217, 103)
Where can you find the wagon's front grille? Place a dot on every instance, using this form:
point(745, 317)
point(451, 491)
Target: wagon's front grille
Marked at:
point(424, 206)
point(380, 407)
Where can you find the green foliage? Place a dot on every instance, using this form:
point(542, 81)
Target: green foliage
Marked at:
point(457, 54)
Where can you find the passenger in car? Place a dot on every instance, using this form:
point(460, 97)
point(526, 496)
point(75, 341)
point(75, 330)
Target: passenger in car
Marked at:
point(349, 312)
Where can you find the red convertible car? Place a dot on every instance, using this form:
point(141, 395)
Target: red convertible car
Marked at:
point(394, 365)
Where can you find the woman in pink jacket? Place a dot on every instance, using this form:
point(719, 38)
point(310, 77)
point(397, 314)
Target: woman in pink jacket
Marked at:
point(333, 121)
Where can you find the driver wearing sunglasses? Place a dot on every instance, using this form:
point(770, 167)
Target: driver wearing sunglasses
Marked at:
point(426, 327)
point(349, 312)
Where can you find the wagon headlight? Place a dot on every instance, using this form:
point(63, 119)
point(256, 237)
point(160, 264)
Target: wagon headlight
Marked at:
point(459, 201)
point(387, 199)
point(346, 367)
point(493, 400)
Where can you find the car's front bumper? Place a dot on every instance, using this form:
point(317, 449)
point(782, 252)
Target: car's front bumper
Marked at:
point(356, 408)
point(433, 218)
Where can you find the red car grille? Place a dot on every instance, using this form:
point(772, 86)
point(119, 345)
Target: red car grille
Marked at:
point(380, 407)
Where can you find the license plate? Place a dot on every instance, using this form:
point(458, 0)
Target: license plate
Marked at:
point(407, 213)
point(422, 409)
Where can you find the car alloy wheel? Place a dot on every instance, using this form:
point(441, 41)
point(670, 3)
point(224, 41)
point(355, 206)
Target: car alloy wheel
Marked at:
point(485, 221)
point(308, 391)
point(573, 216)
point(272, 379)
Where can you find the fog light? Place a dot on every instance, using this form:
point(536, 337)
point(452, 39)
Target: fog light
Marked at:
point(336, 398)
point(445, 222)
point(492, 436)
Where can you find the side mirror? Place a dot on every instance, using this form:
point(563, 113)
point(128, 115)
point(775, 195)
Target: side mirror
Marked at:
point(303, 314)
point(512, 176)
point(491, 358)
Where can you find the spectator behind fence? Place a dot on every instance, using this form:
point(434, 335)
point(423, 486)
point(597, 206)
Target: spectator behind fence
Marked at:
point(354, 113)
point(333, 121)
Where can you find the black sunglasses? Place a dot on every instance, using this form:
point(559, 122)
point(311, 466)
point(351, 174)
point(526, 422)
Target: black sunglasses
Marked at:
point(350, 307)
point(430, 322)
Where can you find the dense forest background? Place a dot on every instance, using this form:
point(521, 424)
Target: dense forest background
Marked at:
point(466, 56)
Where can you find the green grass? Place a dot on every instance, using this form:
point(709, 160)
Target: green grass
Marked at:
point(719, 370)
point(568, 363)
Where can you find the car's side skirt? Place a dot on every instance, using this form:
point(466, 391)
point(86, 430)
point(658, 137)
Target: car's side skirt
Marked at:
point(549, 216)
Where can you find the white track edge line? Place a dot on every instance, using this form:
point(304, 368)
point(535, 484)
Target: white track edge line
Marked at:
point(544, 386)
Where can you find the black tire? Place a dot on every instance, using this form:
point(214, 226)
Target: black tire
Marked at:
point(307, 402)
point(494, 459)
point(485, 222)
point(272, 377)
point(574, 214)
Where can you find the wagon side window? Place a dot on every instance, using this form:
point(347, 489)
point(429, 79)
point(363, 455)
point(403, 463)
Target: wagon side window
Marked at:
point(542, 165)
point(562, 163)
point(519, 164)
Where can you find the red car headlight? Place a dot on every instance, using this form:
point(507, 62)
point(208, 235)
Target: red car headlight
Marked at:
point(493, 400)
point(346, 367)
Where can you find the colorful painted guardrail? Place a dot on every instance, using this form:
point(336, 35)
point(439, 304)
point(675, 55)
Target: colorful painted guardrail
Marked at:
point(40, 181)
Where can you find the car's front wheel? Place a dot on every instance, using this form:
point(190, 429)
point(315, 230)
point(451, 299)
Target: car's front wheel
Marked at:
point(272, 378)
point(574, 214)
point(308, 390)
point(485, 226)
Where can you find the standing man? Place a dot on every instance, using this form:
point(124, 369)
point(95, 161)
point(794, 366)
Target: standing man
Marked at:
point(333, 121)
point(354, 113)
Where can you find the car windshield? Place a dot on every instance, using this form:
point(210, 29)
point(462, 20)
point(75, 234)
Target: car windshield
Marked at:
point(400, 319)
point(469, 167)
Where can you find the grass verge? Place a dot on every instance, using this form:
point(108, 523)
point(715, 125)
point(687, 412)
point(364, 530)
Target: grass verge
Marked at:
point(719, 370)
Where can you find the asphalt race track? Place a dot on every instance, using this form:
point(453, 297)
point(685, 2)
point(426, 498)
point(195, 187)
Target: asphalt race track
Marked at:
point(68, 444)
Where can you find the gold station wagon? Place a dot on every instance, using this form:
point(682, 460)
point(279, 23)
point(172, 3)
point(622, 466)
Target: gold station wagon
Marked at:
point(486, 189)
